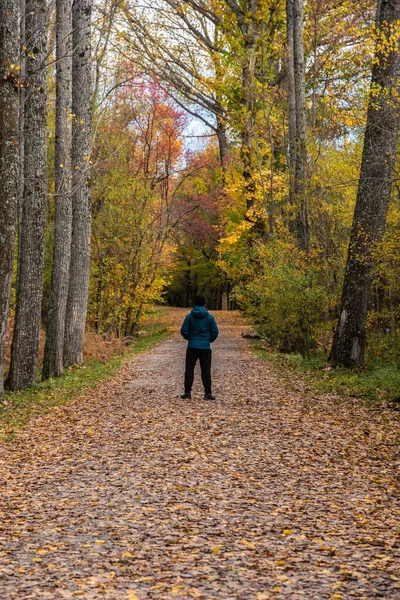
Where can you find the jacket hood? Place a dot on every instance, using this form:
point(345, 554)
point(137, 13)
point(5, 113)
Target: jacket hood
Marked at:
point(199, 312)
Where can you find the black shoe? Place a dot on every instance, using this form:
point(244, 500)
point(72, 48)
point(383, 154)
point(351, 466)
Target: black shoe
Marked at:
point(188, 396)
point(209, 397)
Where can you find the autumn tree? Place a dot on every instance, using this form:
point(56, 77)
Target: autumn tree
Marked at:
point(138, 148)
point(33, 211)
point(380, 144)
point(188, 61)
point(10, 83)
point(54, 349)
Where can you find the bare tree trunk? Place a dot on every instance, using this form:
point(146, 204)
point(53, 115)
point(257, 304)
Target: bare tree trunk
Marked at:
point(9, 158)
point(297, 122)
point(291, 99)
point(247, 101)
point(380, 143)
point(81, 210)
point(31, 235)
point(22, 94)
point(54, 350)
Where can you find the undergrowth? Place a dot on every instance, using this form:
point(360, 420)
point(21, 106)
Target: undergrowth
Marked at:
point(378, 381)
point(19, 407)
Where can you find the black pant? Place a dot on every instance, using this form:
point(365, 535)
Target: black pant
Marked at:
point(192, 354)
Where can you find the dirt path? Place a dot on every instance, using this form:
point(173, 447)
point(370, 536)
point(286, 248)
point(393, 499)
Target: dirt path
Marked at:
point(134, 493)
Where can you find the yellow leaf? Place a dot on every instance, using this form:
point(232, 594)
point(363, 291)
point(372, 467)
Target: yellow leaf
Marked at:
point(248, 544)
point(89, 429)
point(216, 550)
point(176, 589)
point(127, 555)
point(337, 596)
point(41, 551)
point(100, 541)
point(132, 596)
point(287, 532)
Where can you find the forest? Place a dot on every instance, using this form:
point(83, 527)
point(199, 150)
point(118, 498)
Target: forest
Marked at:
point(233, 156)
point(242, 149)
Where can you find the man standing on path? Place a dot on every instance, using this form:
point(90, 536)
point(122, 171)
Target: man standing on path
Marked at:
point(200, 329)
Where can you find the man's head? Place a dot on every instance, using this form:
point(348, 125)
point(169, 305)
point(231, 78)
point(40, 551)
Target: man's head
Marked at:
point(199, 301)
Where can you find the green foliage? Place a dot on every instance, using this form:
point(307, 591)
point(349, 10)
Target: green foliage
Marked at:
point(283, 293)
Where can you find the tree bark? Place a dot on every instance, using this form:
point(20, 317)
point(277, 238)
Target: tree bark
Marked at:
point(33, 211)
point(297, 122)
point(53, 365)
point(81, 209)
point(9, 158)
point(291, 99)
point(223, 142)
point(380, 143)
point(250, 36)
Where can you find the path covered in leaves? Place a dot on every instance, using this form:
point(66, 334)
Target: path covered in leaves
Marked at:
point(131, 492)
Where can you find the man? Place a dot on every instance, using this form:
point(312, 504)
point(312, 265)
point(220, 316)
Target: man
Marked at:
point(200, 329)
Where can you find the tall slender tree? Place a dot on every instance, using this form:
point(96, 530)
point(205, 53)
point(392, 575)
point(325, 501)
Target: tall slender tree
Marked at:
point(297, 121)
point(380, 144)
point(25, 344)
point(9, 157)
point(81, 209)
point(54, 349)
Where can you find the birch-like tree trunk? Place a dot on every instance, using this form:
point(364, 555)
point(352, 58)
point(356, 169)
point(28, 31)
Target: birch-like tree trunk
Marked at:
point(9, 157)
point(33, 211)
point(54, 349)
point(380, 144)
point(297, 122)
point(81, 209)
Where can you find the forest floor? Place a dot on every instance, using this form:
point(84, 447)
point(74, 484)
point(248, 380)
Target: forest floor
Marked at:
point(266, 493)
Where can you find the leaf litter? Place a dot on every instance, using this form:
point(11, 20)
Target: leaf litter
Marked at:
point(129, 492)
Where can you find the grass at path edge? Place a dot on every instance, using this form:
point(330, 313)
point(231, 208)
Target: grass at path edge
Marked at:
point(374, 384)
point(20, 407)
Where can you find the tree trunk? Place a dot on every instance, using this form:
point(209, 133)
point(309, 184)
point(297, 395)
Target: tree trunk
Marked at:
point(33, 211)
point(54, 350)
point(373, 196)
point(291, 99)
point(297, 122)
point(9, 158)
point(247, 101)
point(81, 210)
point(223, 142)
point(22, 95)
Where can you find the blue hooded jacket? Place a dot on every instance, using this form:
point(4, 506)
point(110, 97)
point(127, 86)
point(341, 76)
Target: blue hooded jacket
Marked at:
point(200, 328)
